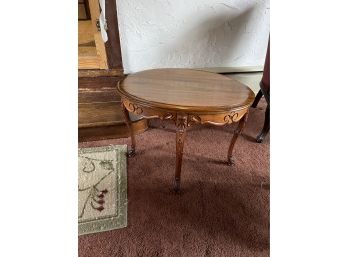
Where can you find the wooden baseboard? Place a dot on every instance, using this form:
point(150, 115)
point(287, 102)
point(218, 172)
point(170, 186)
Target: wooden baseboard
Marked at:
point(241, 69)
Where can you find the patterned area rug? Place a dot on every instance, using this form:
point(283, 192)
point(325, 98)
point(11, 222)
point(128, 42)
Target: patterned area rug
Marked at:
point(102, 188)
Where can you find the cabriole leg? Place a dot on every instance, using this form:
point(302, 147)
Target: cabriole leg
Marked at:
point(180, 138)
point(236, 133)
point(128, 121)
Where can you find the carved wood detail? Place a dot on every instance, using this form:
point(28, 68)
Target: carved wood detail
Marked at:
point(134, 108)
point(219, 119)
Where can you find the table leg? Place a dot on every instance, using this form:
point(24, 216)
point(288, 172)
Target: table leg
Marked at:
point(237, 132)
point(180, 138)
point(128, 121)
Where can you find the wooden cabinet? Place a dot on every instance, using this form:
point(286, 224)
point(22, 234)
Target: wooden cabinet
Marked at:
point(100, 68)
point(91, 49)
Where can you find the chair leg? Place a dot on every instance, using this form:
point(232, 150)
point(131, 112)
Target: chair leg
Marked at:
point(266, 126)
point(257, 99)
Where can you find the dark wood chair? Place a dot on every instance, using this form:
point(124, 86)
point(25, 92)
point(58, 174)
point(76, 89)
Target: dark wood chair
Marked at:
point(264, 90)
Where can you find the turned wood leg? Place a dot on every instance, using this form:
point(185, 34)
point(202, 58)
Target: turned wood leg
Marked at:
point(236, 133)
point(180, 138)
point(128, 121)
point(266, 126)
point(257, 99)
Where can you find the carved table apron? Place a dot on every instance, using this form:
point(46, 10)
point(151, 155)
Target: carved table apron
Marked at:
point(182, 116)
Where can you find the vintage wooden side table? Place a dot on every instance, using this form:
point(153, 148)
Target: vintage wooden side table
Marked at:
point(186, 97)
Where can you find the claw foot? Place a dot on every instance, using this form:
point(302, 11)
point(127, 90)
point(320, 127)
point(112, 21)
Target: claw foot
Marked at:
point(259, 138)
point(177, 185)
point(230, 161)
point(131, 153)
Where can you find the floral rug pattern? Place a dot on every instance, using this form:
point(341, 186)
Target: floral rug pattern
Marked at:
point(102, 188)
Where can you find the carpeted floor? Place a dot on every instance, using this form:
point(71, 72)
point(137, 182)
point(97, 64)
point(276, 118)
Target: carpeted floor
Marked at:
point(221, 211)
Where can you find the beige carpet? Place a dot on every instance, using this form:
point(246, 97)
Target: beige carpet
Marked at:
point(102, 179)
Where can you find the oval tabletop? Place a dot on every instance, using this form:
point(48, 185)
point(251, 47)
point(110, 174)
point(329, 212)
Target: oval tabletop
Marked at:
point(186, 89)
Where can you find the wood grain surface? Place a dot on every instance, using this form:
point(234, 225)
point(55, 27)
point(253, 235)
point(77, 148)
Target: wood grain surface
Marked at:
point(186, 90)
point(113, 47)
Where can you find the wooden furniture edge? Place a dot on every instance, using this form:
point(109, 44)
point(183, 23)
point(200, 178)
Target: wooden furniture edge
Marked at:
point(113, 46)
point(175, 108)
point(241, 69)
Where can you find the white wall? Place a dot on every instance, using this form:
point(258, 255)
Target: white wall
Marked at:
point(192, 33)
